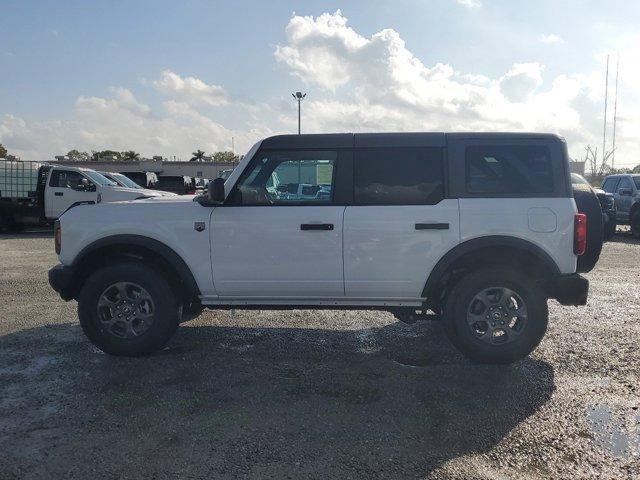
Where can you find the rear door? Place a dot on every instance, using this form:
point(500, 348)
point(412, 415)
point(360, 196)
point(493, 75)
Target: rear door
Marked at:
point(400, 223)
point(63, 189)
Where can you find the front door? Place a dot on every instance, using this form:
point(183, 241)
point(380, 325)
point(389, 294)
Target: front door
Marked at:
point(273, 238)
point(400, 224)
point(64, 189)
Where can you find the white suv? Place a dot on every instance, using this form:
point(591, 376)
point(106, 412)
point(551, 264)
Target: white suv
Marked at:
point(479, 229)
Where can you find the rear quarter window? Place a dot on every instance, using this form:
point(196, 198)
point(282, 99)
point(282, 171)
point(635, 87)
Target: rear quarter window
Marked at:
point(508, 169)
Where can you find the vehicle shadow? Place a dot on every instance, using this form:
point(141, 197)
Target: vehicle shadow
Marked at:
point(389, 402)
point(624, 236)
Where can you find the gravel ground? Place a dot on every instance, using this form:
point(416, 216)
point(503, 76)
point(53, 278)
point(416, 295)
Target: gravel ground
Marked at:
point(316, 394)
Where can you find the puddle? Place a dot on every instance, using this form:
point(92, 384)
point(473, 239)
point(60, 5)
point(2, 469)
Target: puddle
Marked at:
point(612, 433)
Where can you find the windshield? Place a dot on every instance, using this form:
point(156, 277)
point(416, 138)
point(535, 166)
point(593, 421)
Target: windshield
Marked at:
point(636, 180)
point(99, 179)
point(124, 181)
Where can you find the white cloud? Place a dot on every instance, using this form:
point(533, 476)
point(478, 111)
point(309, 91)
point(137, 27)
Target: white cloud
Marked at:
point(551, 38)
point(121, 122)
point(470, 3)
point(376, 83)
point(192, 90)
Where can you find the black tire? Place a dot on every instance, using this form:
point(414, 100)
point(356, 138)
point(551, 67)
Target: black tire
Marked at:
point(164, 312)
point(480, 348)
point(634, 221)
point(588, 203)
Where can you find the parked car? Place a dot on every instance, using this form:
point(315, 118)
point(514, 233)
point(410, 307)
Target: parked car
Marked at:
point(144, 179)
point(34, 193)
point(626, 191)
point(607, 203)
point(179, 184)
point(126, 182)
point(481, 229)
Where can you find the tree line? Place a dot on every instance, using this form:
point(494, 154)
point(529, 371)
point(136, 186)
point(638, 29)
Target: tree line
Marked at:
point(131, 155)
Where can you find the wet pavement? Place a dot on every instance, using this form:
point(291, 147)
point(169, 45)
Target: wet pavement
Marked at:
point(316, 394)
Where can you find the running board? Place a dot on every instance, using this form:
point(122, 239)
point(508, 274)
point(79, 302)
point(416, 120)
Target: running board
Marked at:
point(312, 302)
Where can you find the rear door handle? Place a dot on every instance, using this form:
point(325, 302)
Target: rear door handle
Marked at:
point(59, 194)
point(432, 226)
point(316, 226)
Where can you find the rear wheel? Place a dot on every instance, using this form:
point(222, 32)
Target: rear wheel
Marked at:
point(496, 315)
point(128, 309)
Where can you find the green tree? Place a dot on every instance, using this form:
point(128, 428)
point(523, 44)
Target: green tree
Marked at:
point(198, 156)
point(3, 151)
point(78, 156)
point(106, 154)
point(225, 157)
point(130, 155)
point(636, 169)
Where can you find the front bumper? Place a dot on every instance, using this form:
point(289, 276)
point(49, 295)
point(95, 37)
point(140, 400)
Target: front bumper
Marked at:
point(569, 289)
point(61, 279)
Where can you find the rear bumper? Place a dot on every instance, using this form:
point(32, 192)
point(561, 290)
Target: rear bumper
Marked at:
point(62, 281)
point(569, 289)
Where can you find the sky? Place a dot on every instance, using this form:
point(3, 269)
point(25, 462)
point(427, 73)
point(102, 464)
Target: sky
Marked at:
point(169, 77)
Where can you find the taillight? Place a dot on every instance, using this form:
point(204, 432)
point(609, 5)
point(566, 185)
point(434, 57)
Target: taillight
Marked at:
point(57, 235)
point(580, 234)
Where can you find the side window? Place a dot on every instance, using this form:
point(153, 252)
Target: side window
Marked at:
point(609, 185)
point(398, 176)
point(625, 184)
point(65, 179)
point(509, 169)
point(287, 177)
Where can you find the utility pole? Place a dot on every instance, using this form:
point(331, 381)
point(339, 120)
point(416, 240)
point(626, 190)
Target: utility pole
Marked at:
point(604, 132)
point(615, 115)
point(299, 96)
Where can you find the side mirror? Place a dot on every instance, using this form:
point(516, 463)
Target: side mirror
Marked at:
point(625, 192)
point(216, 190)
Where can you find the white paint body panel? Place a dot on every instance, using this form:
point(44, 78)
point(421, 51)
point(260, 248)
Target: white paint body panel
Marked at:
point(481, 217)
point(169, 220)
point(384, 254)
point(261, 251)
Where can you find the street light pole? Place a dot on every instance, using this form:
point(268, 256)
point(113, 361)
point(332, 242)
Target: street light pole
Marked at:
point(299, 96)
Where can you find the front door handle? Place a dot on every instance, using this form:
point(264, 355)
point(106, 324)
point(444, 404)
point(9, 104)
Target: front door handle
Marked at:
point(316, 226)
point(59, 194)
point(432, 226)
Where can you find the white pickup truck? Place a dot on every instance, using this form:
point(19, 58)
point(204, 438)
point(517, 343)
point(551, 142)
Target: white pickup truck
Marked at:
point(33, 192)
point(478, 230)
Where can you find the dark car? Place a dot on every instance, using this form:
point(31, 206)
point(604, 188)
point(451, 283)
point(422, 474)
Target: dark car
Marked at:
point(180, 184)
point(144, 179)
point(607, 203)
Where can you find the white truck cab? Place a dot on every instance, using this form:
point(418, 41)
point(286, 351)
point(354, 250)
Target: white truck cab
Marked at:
point(69, 186)
point(478, 230)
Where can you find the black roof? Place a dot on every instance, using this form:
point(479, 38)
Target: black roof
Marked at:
point(412, 139)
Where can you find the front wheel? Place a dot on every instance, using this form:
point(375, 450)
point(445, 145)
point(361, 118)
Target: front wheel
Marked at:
point(128, 309)
point(496, 315)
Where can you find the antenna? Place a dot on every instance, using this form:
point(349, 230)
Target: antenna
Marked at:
point(604, 132)
point(615, 115)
